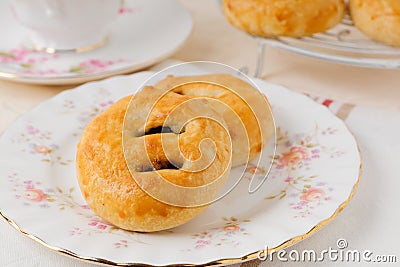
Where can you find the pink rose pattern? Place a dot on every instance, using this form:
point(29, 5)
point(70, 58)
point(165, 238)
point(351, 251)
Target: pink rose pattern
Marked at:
point(94, 66)
point(31, 193)
point(30, 62)
point(124, 9)
point(121, 244)
point(229, 234)
point(39, 143)
point(294, 154)
point(35, 195)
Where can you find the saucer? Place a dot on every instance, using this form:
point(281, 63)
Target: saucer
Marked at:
point(315, 173)
point(145, 32)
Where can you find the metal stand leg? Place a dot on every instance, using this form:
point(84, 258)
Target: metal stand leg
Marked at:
point(260, 58)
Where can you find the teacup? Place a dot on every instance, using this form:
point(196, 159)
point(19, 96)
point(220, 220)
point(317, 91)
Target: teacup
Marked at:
point(58, 25)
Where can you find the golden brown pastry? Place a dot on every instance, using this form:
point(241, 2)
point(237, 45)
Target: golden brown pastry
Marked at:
point(104, 177)
point(379, 19)
point(294, 18)
point(254, 112)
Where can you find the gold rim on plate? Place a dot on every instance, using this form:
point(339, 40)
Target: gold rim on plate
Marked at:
point(51, 50)
point(228, 261)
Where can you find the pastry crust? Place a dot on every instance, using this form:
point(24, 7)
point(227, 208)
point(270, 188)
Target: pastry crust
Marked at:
point(296, 18)
point(379, 19)
point(254, 112)
point(104, 177)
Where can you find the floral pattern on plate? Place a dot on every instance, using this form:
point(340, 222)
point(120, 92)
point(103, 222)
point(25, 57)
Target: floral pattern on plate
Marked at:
point(296, 155)
point(228, 234)
point(40, 144)
point(30, 62)
point(315, 169)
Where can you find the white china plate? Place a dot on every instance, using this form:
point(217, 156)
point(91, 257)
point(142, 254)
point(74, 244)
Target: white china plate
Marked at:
point(342, 44)
point(315, 174)
point(145, 32)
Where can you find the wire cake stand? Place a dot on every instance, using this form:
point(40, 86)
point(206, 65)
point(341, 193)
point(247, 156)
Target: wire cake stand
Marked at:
point(343, 44)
